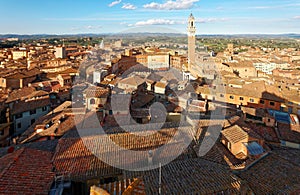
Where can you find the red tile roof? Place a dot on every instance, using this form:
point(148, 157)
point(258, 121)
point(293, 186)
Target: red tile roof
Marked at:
point(235, 134)
point(74, 158)
point(95, 91)
point(193, 176)
point(26, 171)
point(288, 132)
point(23, 106)
point(18, 94)
point(273, 175)
point(268, 133)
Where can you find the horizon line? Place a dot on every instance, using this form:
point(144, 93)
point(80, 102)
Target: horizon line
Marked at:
point(110, 33)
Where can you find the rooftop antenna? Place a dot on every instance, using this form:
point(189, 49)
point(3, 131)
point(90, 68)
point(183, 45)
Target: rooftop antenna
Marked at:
point(159, 182)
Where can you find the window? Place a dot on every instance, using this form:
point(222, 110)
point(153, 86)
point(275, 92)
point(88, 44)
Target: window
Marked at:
point(221, 95)
point(262, 102)
point(241, 98)
point(44, 108)
point(2, 132)
point(229, 145)
point(272, 103)
point(231, 97)
point(19, 125)
point(269, 120)
point(19, 115)
point(32, 112)
point(92, 101)
point(251, 100)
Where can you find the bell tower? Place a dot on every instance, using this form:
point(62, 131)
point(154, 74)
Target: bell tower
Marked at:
point(191, 41)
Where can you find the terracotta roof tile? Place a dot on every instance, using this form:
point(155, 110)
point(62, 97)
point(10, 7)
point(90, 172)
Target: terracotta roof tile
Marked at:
point(24, 106)
point(74, 158)
point(288, 132)
point(272, 175)
point(18, 94)
point(26, 171)
point(193, 176)
point(234, 134)
point(290, 154)
point(94, 91)
point(133, 81)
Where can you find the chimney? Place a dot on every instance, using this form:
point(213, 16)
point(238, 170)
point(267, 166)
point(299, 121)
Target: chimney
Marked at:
point(10, 150)
point(150, 158)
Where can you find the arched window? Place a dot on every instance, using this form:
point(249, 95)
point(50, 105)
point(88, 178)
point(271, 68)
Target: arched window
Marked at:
point(192, 24)
point(92, 101)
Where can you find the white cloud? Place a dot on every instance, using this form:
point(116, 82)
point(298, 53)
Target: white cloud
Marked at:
point(208, 20)
point(114, 3)
point(262, 7)
point(128, 6)
point(90, 27)
point(297, 17)
point(171, 5)
point(275, 6)
point(156, 22)
point(83, 28)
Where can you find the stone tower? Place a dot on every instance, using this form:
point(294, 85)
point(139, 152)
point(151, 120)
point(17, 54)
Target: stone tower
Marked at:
point(191, 41)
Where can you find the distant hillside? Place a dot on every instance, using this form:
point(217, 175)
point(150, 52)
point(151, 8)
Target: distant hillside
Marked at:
point(49, 36)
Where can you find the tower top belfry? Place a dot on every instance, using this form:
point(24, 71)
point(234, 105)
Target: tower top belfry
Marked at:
point(191, 25)
point(191, 30)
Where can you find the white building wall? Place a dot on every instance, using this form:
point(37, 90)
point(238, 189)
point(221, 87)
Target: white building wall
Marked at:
point(158, 61)
point(26, 119)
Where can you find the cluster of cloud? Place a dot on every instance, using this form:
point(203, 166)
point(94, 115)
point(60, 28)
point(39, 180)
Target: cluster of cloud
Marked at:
point(89, 27)
point(125, 5)
point(173, 22)
point(128, 6)
point(156, 22)
point(208, 20)
point(171, 5)
point(114, 3)
point(168, 5)
point(296, 17)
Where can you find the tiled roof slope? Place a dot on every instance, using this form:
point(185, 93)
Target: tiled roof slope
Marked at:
point(235, 134)
point(74, 156)
point(290, 154)
point(24, 106)
point(273, 175)
point(193, 176)
point(20, 93)
point(27, 172)
point(94, 91)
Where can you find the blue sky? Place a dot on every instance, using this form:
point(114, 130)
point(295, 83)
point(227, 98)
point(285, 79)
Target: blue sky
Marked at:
point(114, 16)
